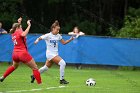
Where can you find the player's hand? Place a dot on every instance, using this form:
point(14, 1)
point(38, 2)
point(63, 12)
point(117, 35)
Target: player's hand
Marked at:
point(72, 37)
point(36, 41)
point(77, 36)
point(19, 20)
point(29, 22)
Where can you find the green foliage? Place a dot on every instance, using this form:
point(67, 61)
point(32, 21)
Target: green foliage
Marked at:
point(67, 28)
point(8, 13)
point(87, 14)
point(90, 28)
point(112, 32)
point(131, 28)
point(134, 12)
point(7, 20)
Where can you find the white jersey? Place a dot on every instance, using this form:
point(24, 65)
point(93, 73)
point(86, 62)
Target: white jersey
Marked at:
point(51, 42)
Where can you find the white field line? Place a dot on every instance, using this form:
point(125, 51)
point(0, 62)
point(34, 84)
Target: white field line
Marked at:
point(102, 89)
point(40, 89)
point(32, 90)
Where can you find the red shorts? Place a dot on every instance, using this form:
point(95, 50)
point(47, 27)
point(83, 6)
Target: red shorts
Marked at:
point(21, 57)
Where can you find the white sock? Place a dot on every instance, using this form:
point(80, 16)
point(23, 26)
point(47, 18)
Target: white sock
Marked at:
point(62, 68)
point(42, 69)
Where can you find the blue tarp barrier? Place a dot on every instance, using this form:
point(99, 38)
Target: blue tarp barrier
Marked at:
point(84, 50)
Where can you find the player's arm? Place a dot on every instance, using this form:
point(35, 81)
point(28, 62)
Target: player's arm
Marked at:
point(37, 40)
point(19, 20)
point(82, 33)
point(4, 32)
point(71, 33)
point(43, 37)
point(67, 41)
point(27, 29)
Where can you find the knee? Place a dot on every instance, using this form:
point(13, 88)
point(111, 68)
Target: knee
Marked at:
point(48, 65)
point(35, 68)
point(62, 63)
point(15, 66)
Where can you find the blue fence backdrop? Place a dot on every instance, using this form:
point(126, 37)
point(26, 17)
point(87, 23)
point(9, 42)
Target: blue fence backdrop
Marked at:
point(84, 50)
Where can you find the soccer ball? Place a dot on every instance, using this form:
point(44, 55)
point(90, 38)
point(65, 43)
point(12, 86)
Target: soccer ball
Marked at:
point(90, 82)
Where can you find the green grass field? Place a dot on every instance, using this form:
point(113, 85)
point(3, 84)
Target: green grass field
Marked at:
point(108, 81)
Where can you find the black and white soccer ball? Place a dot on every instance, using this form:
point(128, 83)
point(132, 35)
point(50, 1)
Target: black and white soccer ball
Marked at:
point(90, 82)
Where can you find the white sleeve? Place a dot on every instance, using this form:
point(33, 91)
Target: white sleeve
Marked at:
point(81, 33)
point(60, 37)
point(44, 37)
point(71, 33)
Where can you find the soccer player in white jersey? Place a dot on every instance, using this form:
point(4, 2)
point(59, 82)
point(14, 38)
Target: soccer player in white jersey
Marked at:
point(52, 39)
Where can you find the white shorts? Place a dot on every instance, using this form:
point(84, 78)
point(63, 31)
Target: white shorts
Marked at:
point(51, 55)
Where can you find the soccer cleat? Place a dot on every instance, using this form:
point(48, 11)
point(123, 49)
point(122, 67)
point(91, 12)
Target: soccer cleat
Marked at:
point(32, 79)
point(1, 79)
point(63, 81)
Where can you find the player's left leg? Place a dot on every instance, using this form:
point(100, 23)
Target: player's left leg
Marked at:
point(27, 59)
point(47, 65)
point(62, 65)
point(35, 70)
point(9, 70)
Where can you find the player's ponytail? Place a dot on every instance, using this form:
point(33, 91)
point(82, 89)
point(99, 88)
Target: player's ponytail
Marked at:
point(56, 23)
point(13, 29)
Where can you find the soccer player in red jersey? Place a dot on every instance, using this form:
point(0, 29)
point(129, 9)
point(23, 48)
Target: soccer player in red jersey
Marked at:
point(20, 52)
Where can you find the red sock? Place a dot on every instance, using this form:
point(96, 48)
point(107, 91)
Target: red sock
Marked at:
point(8, 71)
point(37, 76)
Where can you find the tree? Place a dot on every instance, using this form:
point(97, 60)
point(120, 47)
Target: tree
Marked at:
point(131, 28)
point(8, 13)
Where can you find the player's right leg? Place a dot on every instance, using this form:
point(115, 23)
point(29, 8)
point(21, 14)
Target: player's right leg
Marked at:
point(9, 70)
point(36, 73)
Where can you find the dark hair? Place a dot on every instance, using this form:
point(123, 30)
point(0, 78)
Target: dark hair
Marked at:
point(77, 28)
point(14, 26)
point(56, 23)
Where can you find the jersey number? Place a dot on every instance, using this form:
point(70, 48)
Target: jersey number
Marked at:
point(54, 42)
point(15, 42)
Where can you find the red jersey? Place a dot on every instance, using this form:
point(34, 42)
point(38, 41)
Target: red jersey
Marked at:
point(19, 41)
